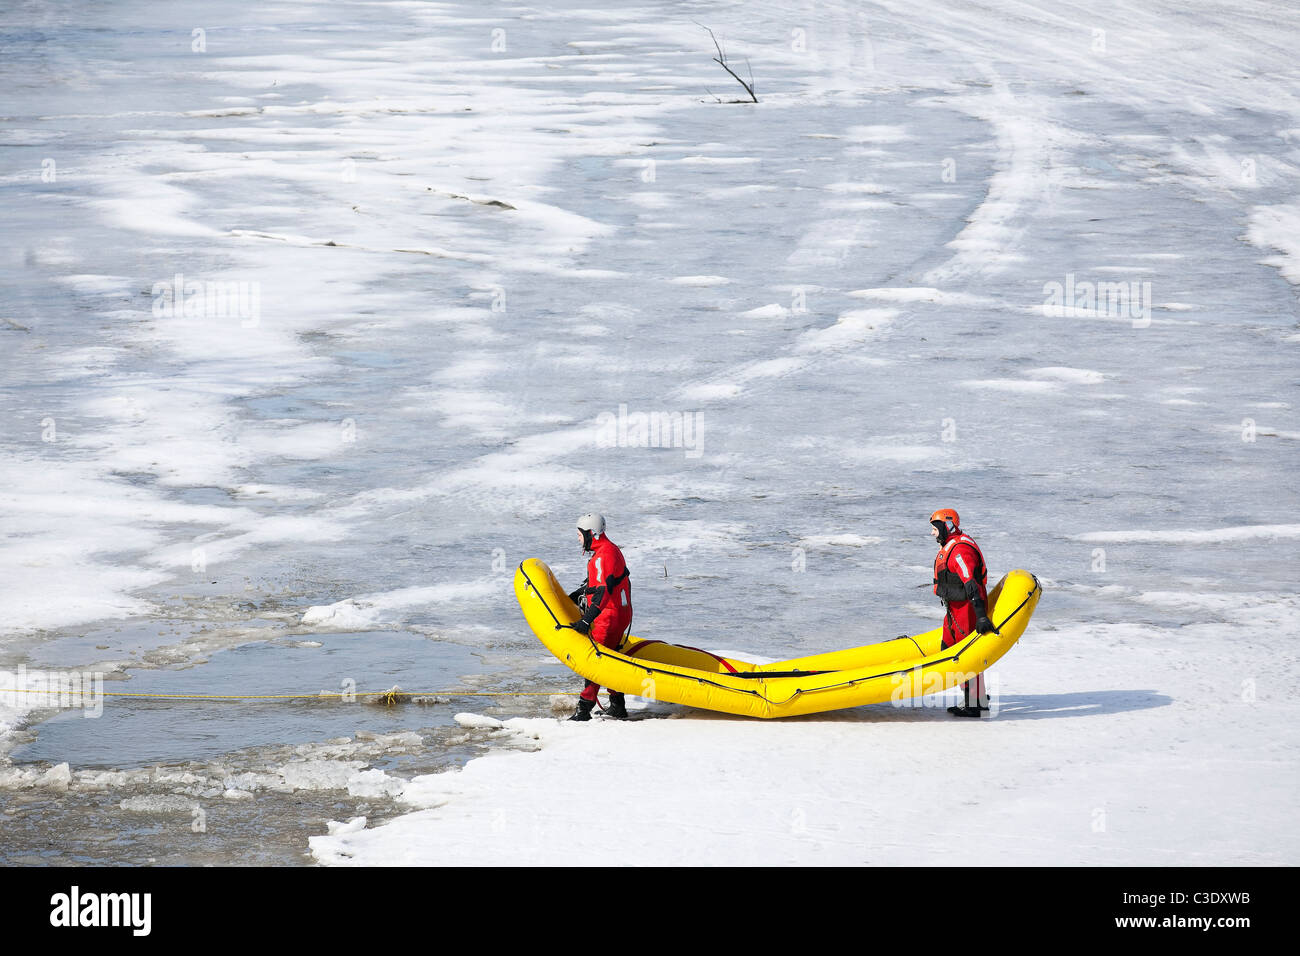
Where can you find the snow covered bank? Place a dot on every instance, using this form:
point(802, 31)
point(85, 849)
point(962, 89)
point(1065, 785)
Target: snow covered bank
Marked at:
point(1112, 744)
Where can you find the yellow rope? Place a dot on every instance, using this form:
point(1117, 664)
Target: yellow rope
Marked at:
point(389, 697)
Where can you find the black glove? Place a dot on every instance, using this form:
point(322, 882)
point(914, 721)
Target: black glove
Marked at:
point(581, 626)
point(576, 596)
point(982, 622)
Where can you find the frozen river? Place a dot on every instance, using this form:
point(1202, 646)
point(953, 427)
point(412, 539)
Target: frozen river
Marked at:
point(316, 320)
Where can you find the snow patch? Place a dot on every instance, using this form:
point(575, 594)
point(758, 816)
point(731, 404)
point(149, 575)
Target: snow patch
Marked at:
point(700, 281)
point(1278, 227)
point(839, 540)
point(1011, 385)
point(710, 391)
point(876, 134)
point(773, 311)
point(1072, 376)
point(852, 328)
point(922, 294)
point(1193, 536)
point(477, 722)
point(377, 611)
point(895, 453)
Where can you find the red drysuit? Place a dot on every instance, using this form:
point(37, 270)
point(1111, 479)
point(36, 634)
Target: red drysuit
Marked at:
point(958, 562)
point(610, 592)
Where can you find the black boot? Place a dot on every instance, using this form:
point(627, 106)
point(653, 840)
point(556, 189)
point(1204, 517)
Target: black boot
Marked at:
point(584, 710)
point(617, 706)
point(966, 708)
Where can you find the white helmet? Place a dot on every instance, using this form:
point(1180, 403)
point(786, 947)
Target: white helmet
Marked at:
point(591, 525)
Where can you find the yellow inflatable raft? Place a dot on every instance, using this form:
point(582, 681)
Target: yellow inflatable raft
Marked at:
point(894, 670)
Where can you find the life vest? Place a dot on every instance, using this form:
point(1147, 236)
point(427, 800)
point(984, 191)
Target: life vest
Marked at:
point(949, 585)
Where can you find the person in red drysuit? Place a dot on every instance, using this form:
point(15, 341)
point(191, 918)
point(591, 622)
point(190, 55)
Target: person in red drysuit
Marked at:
point(606, 601)
point(961, 582)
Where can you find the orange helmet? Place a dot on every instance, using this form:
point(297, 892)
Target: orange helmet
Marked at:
point(946, 520)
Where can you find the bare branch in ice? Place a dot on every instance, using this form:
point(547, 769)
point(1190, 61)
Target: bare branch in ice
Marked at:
point(721, 60)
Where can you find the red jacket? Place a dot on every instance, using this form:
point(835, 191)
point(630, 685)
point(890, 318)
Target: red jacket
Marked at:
point(608, 588)
point(958, 562)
